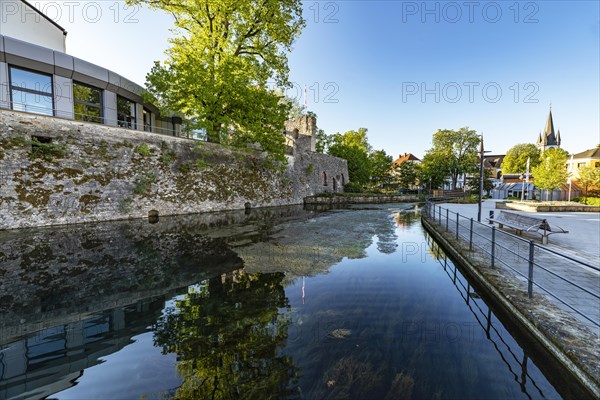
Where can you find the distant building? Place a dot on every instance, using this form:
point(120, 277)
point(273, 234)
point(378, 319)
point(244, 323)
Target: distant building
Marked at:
point(403, 158)
point(589, 158)
point(493, 164)
point(548, 139)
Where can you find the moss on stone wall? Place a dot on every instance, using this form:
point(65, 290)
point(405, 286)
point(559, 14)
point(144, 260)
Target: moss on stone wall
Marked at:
point(105, 173)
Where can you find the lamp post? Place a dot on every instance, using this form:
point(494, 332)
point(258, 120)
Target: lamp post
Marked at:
point(481, 154)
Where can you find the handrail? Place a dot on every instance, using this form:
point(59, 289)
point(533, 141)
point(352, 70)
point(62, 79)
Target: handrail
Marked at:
point(450, 221)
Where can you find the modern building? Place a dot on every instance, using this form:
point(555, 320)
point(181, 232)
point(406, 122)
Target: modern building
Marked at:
point(38, 76)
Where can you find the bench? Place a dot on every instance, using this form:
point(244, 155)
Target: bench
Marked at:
point(526, 223)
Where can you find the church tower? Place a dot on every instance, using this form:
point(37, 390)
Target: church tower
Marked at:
point(548, 139)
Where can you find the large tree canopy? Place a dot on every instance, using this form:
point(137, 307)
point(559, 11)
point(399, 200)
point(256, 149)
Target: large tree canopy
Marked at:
point(515, 161)
point(453, 153)
point(222, 60)
point(365, 165)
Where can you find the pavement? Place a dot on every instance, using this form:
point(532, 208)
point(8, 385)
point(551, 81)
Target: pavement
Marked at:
point(550, 271)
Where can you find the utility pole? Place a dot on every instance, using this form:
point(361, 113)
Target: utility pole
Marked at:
point(570, 176)
point(481, 152)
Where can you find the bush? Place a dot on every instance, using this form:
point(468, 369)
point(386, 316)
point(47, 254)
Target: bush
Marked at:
point(47, 150)
point(143, 150)
point(353, 187)
point(590, 201)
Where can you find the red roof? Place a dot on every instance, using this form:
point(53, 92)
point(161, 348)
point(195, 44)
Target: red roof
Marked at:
point(402, 158)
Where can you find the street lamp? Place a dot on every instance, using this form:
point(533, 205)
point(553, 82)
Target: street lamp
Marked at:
point(481, 154)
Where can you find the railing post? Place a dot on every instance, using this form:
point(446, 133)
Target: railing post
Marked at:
point(530, 277)
point(440, 214)
point(493, 245)
point(457, 217)
point(447, 214)
point(471, 236)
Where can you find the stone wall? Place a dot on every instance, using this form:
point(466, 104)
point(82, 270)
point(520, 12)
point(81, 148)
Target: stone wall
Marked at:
point(54, 171)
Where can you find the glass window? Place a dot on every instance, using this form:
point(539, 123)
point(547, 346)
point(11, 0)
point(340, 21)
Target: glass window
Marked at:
point(30, 80)
point(581, 164)
point(125, 113)
point(87, 103)
point(31, 102)
point(147, 120)
point(31, 91)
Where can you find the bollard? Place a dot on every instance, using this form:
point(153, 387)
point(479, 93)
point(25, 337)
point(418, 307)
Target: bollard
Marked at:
point(491, 217)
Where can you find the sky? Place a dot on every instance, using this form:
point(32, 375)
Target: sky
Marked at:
point(403, 69)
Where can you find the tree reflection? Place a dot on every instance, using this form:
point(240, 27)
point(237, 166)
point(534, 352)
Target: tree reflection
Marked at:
point(227, 334)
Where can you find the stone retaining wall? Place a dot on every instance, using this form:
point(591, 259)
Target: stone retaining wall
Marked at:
point(83, 172)
point(546, 208)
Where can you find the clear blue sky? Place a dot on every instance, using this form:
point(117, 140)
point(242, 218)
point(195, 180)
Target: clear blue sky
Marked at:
point(405, 69)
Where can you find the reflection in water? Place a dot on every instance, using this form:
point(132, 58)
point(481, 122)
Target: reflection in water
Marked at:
point(51, 360)
point(277, 303)
point(517, 366)
point(227, 334)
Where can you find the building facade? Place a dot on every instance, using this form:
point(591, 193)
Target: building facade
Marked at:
point(588, 158)
point(37, 76)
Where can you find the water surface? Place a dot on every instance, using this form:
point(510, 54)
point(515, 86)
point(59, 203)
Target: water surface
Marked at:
point(276, 303)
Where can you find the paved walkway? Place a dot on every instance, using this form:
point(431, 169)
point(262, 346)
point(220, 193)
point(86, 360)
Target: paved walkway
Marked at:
point(582, 243)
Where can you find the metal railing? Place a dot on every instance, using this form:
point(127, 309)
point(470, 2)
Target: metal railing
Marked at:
point(88, 118)
point(540, 267)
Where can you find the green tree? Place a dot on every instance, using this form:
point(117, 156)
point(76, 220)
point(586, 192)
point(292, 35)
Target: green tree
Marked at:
point(588, 176)
point(515, 161)
point(432, 172)
point(323, 141)
point(488, 184)
point(223, 58)
point(228, 337)
point(380, 164)
point(453, 153)
point(356, 139)
point(406, 174)
point(359, 166)
point(551, 172)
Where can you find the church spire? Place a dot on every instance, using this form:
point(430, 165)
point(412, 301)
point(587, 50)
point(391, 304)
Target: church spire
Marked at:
point(549, 138)
point(549, 130)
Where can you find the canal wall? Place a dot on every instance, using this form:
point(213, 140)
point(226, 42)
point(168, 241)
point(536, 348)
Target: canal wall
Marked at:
point(55, 171)
point(537, 319)
point(341, 199)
